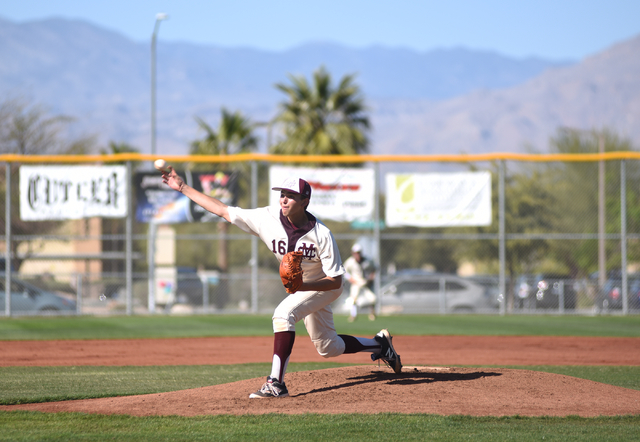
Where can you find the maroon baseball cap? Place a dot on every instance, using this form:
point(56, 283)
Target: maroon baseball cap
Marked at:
point(295, 185)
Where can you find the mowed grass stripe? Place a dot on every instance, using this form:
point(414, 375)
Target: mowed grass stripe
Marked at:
point(33, 426)
point(162, 326)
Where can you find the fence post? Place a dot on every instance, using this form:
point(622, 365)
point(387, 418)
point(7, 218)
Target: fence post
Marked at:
point(7, 232)
point(151, 266)
point(254, 240)
point(79, 293)
point(501, 240)
point(205, 293)
point(443, 296)
point(623, 236)
point(376, 234)
point(129, 242)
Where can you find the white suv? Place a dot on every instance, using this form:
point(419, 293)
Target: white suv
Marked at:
point(435, 293)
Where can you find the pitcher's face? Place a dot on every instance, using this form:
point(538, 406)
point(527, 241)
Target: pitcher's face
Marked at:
point(292, 204)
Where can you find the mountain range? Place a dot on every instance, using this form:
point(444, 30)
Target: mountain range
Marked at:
point(440, 101)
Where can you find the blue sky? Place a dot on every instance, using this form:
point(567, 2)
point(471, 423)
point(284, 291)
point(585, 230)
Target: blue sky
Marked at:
point(553, 29)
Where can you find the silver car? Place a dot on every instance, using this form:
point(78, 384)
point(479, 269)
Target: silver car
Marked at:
point(435, 293)
point(27, 298)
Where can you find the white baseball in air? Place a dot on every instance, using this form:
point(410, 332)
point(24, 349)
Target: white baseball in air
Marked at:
point(160, 164)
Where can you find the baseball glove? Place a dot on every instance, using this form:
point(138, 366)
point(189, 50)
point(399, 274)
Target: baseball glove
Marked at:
point(291, 271)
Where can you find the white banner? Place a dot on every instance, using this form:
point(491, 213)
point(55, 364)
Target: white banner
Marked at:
point(72, 192)
point(336, 194)
point(439, 199)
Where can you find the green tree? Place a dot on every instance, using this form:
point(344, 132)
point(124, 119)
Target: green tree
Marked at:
point(320, 119)
point(234, 135)
point(27, 128)
point(577, 193)
point(561, 198)
point(437, 254)
point(30, 129)
point(115, 148)
point(529, 203)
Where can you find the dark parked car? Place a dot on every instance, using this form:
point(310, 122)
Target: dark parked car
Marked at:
point(544, 290)
point(189, 286)
point(27, 298)
point(611, 295)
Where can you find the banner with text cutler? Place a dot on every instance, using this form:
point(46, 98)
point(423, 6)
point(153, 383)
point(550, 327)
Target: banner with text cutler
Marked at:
point(72, 192)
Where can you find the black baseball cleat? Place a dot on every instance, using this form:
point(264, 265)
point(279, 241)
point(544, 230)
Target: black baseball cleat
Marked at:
point(271, 388)
point(388, 353)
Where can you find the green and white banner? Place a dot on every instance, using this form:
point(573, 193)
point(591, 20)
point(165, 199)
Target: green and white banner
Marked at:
point(438, 199)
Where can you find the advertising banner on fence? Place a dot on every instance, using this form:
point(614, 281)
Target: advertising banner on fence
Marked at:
point(338, 194)
point(158, 203)
point(439, 199)
point(72, 192)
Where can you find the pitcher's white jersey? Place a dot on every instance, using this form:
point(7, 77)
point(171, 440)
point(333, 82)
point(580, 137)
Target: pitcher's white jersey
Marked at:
point(315, 241)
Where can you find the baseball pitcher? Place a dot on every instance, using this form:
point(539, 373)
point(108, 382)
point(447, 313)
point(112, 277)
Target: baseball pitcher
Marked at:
point(291, 228)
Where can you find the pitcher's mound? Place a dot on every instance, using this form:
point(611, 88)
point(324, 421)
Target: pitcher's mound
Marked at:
point(360, 389)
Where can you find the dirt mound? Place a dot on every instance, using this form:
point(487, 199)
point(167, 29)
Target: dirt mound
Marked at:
point(361, 389)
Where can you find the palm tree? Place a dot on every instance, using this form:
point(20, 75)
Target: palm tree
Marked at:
point(234, 135)
point(319, 119)
point(118, 147)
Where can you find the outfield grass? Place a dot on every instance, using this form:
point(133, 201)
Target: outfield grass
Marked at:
point(36, 384)
point(161, 326)
point(25, 426)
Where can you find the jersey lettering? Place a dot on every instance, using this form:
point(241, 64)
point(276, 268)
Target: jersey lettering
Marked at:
point(309, 251)
point(281, 248)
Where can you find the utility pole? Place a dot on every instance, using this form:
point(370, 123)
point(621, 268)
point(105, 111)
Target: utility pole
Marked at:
point(152, 229)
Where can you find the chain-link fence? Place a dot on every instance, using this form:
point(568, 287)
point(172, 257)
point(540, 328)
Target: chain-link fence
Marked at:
point(563, 238)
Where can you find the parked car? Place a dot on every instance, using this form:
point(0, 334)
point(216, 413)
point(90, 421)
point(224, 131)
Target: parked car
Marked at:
point(27, 298)
point(490, 282)
point(610, 297)
point(421, 292)
point(543, 291)
point(189, 286)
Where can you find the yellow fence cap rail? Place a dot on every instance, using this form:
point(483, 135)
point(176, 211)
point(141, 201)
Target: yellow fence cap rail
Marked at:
point(459, 158)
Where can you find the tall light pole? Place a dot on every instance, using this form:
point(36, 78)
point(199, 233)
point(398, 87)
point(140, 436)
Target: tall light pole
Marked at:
point(159, 18)
point(151, 241)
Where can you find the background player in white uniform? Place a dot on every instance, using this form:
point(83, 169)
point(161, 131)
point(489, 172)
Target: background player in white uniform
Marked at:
point(360, 273)
point(292, 228)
